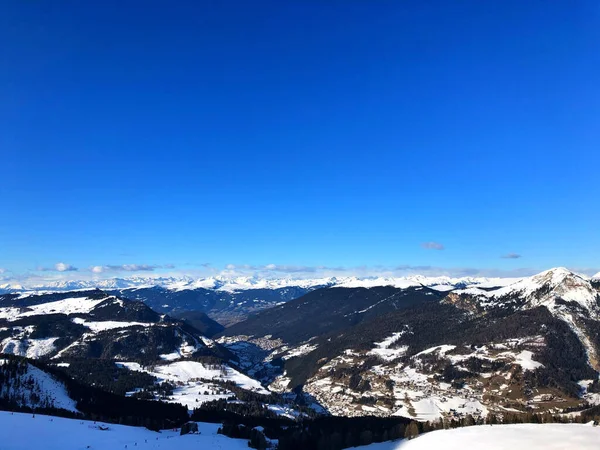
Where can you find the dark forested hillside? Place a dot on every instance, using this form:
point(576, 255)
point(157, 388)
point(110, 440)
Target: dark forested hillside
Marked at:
point(200, 321)
point(330, 309)
point(223, 306)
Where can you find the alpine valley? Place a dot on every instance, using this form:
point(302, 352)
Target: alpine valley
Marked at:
point(276, 353)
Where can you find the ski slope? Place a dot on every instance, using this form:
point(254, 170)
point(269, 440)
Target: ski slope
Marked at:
point(55, 433)
point(503, 437)
point(49, 391)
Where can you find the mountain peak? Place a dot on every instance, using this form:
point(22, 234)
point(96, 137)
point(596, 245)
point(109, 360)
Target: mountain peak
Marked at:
point(548, 286)
point(554, 276)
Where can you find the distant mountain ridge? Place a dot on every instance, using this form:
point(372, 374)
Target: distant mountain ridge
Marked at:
point(236, 284)
point(229, 300)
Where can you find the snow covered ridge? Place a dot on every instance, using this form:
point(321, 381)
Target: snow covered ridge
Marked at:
point(218, 283)
point(75, 305)
point(438, 283)
point(568, 296)
point(68, 326)
point(541, 290)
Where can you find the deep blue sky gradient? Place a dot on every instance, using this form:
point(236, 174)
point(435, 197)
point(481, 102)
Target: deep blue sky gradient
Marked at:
point(303, 132)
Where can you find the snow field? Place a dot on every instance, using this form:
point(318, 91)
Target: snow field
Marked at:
point(192, 379)
point(76, 305)
point(55, 433)
point(503, 437)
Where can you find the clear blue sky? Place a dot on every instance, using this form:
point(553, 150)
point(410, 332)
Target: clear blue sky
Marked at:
point(299, 132)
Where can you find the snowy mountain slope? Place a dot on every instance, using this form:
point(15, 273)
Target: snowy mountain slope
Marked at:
point(542, 290)
point(195, 382)
point(93, 324)
point(55, 433)
point(410, 350)
point(24, 385)
point(73, 332)
point(503, 437)
point(529, 344)
point(438, 382)
point(567, 295)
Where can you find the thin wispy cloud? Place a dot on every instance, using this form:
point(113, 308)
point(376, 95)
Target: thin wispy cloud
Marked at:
point(129, 268)
point(432, 246)
point(2, 270)
point(511, 256)
point(58, 267)
point(282, 269)
point(278, 270)
point(290, 268)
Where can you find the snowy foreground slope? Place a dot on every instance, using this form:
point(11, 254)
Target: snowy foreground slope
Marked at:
point(503, 437)
point(55, 433)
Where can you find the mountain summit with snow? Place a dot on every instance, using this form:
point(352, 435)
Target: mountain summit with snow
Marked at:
point(544, 289)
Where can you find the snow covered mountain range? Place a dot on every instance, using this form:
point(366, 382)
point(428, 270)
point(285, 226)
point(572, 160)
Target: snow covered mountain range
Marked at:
point(419, 348)
point(236, 284)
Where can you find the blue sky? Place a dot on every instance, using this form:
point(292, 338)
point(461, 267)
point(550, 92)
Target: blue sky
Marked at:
point(159, 137)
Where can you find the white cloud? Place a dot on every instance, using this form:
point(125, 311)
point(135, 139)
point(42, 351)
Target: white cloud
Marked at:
point(2, 270)
point(282, 270)
point(129, 268)
point(58, 267)
point(432, 246)
point(62, 267)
